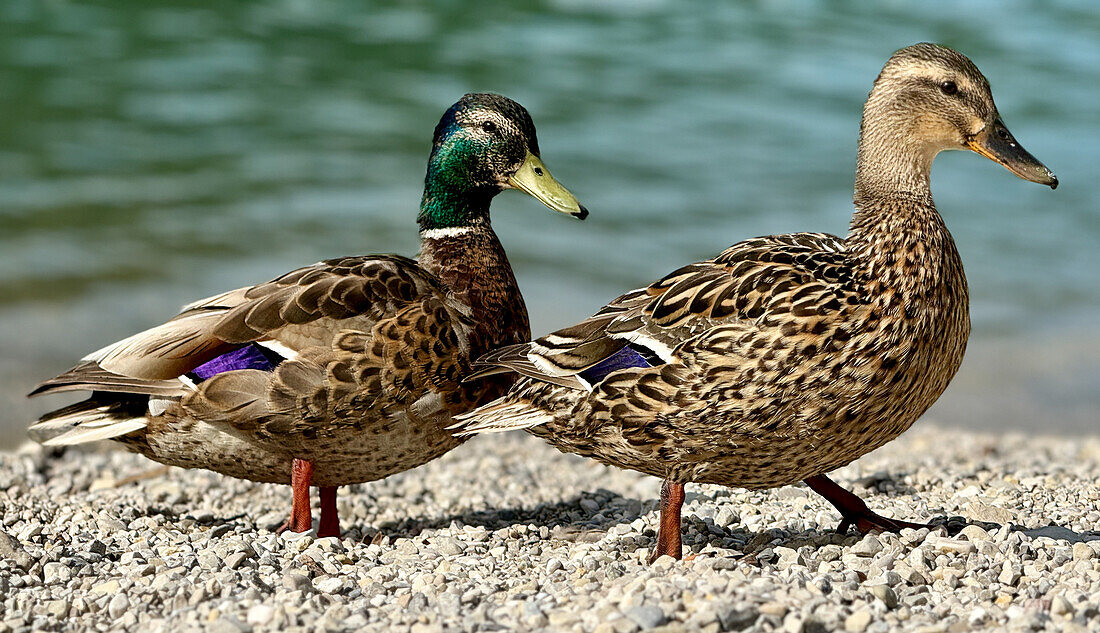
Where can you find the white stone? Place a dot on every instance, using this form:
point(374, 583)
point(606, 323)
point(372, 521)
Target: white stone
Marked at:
point(858, 621)
point(260, 614)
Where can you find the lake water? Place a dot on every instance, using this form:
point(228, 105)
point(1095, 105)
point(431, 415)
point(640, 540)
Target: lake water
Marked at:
point(150, 156)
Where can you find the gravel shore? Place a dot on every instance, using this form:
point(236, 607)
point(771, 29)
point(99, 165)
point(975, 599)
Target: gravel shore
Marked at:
point(505, 533)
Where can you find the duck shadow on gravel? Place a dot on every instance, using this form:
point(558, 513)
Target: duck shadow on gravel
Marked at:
point(589, 517)
point(569, 519)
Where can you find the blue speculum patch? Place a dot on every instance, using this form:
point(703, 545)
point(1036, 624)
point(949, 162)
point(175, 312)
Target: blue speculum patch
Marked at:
point(251, 356)
point(625, 358)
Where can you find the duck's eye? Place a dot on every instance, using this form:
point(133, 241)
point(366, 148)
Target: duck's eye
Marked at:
point(489, 127)
point(949, 88)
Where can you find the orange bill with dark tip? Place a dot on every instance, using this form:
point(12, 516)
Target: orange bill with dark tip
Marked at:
point(997, 144)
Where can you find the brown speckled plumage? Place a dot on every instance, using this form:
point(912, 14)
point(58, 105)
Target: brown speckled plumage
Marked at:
point(370, 351)
point(789, 360)
point(383, 345)
point(786, 356)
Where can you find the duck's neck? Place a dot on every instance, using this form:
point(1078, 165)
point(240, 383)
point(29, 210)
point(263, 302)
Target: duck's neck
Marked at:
point(470, 260)
point(891, 163)
point(458, 245)
point(897, 237)
point(450, 200)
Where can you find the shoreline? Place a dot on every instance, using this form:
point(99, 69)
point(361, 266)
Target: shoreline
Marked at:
point(507, 533)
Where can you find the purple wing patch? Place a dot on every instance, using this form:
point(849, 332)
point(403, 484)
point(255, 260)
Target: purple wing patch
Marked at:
point(625, 358)
point(251, 356)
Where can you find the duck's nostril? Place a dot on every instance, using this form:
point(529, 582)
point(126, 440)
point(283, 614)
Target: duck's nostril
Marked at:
point(538, 171)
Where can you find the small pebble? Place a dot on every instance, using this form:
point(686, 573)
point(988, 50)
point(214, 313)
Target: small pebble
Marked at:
point(951, 545)
point(1059, 605)
point(737, 618)
point(886, 594)
point(58, 608)
point(234, 560)
point(974, 534)
point(330, 584)
point(118, 605)
point(647, 616)
point(448, 546)
point(260, 614)
point(13, 551)
point(858, 621)
point(1082, 551)
point(56, 573)
point(869, 545)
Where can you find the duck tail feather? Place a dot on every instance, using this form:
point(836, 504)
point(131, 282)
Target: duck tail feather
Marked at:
point(497, 417)
point(87, 421)
point(89, 376)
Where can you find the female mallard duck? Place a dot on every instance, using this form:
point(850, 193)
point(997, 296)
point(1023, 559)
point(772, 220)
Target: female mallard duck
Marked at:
point(342, 372)
point(787, 356)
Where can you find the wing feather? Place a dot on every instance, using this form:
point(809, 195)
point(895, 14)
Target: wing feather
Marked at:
point(804, 274)
point(308, 306)
point(89, 376)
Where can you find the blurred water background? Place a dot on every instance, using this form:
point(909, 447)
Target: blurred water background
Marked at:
point(152, 155)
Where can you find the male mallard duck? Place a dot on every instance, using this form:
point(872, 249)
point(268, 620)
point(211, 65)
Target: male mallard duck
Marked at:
point(341, 372)
point(787, 356)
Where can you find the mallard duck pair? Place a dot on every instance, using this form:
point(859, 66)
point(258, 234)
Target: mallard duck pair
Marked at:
point(781, 359)
point(342, 372)
point(788, 356)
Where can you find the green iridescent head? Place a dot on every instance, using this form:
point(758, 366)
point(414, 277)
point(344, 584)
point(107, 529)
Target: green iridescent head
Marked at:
point(483, 145)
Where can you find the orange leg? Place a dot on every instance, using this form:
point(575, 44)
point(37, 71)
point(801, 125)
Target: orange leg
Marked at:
point(854, 511)
point(330, 521)
point(301, 519)
point(668, 533)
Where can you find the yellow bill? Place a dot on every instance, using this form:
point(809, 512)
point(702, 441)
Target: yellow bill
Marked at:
point(534, 178)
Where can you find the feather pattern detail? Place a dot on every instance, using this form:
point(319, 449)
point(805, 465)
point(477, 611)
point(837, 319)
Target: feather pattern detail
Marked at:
point(764, 338)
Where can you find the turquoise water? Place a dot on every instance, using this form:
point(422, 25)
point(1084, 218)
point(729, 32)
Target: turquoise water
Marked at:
point(150, 156)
